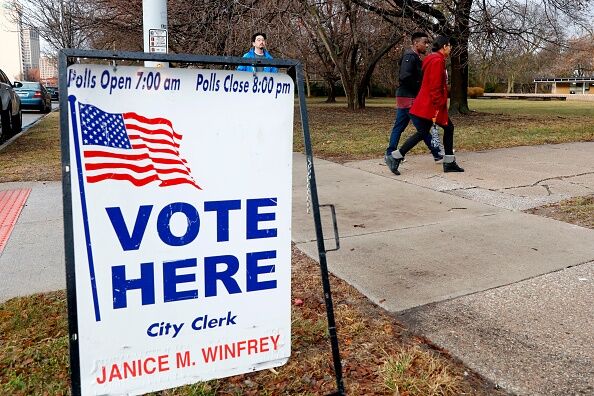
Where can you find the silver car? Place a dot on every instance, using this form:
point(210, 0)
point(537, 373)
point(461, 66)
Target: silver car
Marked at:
point(11, 117)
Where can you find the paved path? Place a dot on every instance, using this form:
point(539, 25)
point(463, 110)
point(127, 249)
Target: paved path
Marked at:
point(452, 255)
point(509, 293)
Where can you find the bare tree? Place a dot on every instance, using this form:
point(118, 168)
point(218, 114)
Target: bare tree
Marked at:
point(354, 39)
point(32, 74)
point(459, 19)
point(211, 27)
point(512, 55)
point(117, 25)
point(575, 58)
point(62, 23)
point(450, 18)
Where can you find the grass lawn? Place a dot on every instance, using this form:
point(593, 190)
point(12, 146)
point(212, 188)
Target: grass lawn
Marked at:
point(342, 135)
point(380, 356)
point(35, 155)
point(578, 211)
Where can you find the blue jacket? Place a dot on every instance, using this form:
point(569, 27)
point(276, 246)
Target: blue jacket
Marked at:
point(252, 54)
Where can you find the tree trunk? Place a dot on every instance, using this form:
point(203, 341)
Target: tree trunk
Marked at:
point(362, 94)
point(331, 92)
point(307, 83)
point(459, 82)
point(459, 78)
point(352, 94)
point(365, 83)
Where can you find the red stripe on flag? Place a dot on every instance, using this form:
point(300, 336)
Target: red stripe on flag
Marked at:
point(152, 121)
point(135, 157)
point(155, 150)
point(134, 168)
point(156, 141)
point(174, 182)
point(123, 176)
point(134, 127)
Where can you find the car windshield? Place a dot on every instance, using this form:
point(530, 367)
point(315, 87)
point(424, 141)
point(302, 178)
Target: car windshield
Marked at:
point(30, 85)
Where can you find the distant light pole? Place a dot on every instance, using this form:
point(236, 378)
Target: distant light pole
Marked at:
point(154, 21)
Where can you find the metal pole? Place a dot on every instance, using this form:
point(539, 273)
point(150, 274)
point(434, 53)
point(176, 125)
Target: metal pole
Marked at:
point(154, 22)
point(319, 235)
point(68, 229)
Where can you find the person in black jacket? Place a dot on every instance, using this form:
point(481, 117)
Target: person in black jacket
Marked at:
point(410, 77)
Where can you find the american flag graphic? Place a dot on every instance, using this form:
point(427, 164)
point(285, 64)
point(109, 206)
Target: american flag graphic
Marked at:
point(131, 147)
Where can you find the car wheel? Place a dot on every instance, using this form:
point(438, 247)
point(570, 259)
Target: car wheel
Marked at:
point(17, 123)
point(6, 122)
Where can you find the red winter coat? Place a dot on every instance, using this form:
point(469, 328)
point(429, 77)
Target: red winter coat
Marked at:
point(433, 95)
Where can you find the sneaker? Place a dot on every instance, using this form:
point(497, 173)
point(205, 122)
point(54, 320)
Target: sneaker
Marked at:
point(452, 167)
point(438, 158)
point(392, 163)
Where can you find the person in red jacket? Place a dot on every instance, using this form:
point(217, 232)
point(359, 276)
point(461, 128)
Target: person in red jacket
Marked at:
point(431, 107)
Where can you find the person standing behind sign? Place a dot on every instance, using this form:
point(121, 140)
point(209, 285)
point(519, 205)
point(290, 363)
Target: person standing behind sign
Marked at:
point(258, 51)
point(409, 77)
point(431, 106)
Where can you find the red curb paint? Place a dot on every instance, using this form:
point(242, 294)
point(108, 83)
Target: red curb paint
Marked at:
point(11, 204)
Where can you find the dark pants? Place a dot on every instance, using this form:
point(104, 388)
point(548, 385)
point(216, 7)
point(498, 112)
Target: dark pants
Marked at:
point(424, 131)
point(402, 120)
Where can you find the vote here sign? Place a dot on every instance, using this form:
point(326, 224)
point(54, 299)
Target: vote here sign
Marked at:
point(181, 218)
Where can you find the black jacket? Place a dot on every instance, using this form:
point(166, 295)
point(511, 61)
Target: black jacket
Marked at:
point(411, 74)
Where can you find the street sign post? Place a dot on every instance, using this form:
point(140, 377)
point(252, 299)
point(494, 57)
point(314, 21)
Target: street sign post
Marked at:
point(154, 26)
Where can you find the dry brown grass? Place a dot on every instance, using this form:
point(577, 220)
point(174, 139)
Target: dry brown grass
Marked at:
point(415, 372)
point(379, 355)
point(578, 211)
point(35, 155)
point(341, 135)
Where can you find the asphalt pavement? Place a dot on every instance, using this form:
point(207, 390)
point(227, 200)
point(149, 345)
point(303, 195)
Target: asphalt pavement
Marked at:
point(30, 116)
point(451, 255)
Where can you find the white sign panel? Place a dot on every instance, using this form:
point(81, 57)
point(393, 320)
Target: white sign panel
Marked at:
point(181, 211)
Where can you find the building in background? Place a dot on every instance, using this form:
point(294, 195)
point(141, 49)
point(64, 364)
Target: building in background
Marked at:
point(11, 58)
point(48, 71)
point(565, 85)
point(31, 53)
point(20, 50)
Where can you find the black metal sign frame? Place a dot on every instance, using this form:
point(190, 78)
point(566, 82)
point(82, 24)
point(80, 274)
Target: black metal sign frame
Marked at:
point(294, 69)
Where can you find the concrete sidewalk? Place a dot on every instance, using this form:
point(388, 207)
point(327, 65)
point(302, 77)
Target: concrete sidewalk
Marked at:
point(33, 258)
point(452, 255)
point(508, 293)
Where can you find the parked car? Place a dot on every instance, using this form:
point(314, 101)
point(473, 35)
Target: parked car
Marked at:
point(11, 117)
point(54, 92)
point(34, 95)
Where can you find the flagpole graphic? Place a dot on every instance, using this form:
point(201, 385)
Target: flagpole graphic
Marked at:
point(81, 186)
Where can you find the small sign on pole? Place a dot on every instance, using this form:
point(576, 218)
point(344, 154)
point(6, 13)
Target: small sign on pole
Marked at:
point(178, 224)
point(158, 41)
